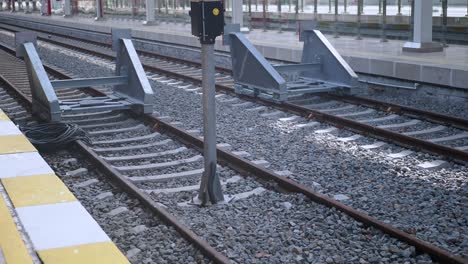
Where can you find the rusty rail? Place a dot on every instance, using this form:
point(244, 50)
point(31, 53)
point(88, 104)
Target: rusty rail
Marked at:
point(243, 165)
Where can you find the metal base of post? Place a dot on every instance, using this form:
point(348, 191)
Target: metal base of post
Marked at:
point(149, 23)
point(423, 47)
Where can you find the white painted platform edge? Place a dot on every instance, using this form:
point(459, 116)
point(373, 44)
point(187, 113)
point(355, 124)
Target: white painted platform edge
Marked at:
point(60, 225)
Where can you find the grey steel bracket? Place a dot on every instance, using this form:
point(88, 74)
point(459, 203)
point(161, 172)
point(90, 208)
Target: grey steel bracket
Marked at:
point(334, 68)
point(23, 37)
point(322, 69)
point(131, 88)
point(117, 34)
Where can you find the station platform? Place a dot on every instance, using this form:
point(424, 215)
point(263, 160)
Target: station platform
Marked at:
point(41, 221)
point(367, 56)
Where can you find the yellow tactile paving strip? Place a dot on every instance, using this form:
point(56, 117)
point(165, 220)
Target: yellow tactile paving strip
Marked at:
point(3, 117)
point(15, 144)
point(11, 243)
point(37, 190)
point(96, 253)
point(41, 202)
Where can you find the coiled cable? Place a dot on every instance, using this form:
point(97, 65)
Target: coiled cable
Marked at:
point(53, 136)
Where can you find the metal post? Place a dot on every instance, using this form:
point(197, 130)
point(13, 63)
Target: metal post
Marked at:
point(302, 6)
point(266, 5)
point(149, 13)
point(256, 5)
point(250, 7)
point(296, 8)
point(98, 10)
point(362, 7)
point(380, 7)
point(444, 22)
point(359, 10)
point(329, 6)
point(133, 8)
point(335, 31)
point(411, 33)
point(399, 8)
point(26, 10)
point(264, 17)
point(210, 186)
point(384, 22)
point(280, 24)
point(345, 7)
point(67, 8)
point(315, 9)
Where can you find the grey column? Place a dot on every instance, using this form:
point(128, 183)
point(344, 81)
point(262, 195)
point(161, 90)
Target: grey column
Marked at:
point(422, 33)
point(150, 5)
point(237, 14)
point(210, 186)
point(67, 8)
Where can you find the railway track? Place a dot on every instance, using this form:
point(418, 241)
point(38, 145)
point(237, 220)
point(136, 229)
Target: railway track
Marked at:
point(408, 127)
point(116, 155)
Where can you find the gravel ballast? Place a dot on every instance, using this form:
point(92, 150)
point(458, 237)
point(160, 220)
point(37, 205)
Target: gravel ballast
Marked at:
point(428, 203)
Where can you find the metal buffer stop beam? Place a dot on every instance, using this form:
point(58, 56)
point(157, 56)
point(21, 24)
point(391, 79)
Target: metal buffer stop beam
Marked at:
point(322, 69)
point(131, 88)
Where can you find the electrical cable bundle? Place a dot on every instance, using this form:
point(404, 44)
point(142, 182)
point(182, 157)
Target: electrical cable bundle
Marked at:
point(53, 136)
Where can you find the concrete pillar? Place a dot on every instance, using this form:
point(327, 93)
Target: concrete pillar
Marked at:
point(237, 16)
point(422, 33)
point(67, 12)
point(150, 7)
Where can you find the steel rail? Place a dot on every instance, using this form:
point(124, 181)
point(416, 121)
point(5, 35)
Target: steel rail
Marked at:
point(454, 121)
point(127, 185)
point(242, 165)
point(454, 154)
